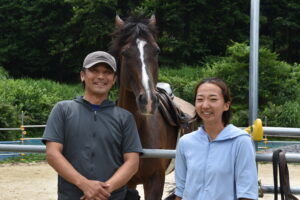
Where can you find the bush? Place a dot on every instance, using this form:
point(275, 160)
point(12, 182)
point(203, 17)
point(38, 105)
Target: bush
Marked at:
point(277, 80)
point(3, 73)
point(239, 117)
point(182, 80)
point(286, 115)
point(9, 119)
point(279, 91)
point(36, 98)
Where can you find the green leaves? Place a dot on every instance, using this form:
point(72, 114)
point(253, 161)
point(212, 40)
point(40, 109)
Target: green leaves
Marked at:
point(49, 38)
point(278, 81)
point(285, 115)
point(3, 73)
point(35, 97)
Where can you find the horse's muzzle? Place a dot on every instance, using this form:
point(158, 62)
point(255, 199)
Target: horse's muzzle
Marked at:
point(147, 104)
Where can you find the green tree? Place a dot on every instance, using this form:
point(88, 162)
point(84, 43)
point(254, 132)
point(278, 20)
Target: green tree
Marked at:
point(278, 81)
point(88, 29)
point(27, 29)
point(193, 29)
point(280, 28)
point(9, 118)
point(49, 38)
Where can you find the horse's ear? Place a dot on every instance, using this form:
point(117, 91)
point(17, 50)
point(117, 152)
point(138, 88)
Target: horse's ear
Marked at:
point(119, 22)
point(152, 20)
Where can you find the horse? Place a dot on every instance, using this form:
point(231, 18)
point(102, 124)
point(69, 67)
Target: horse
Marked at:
point(136, 51)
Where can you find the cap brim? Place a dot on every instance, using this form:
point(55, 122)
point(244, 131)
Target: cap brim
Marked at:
point(97, 62)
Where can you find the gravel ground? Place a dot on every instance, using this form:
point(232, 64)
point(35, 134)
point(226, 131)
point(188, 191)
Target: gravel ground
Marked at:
point(37, 181)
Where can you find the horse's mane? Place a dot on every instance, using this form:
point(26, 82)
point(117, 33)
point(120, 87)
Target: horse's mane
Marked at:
point(134, 27)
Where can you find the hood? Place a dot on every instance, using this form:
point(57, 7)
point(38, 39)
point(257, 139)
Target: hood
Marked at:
point(105, 104)
point(228, 133)
point(231, 132)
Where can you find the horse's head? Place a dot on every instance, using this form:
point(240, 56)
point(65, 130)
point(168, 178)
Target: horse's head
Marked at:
point(136, 51)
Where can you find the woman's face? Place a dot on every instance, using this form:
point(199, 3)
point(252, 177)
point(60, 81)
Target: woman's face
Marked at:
point(210, 104)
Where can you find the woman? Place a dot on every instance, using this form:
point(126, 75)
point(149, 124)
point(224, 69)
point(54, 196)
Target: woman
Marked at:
point(216, 162)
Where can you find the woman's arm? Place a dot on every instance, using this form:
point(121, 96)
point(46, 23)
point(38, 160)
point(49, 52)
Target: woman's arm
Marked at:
point(180, 170)
point(245, 170)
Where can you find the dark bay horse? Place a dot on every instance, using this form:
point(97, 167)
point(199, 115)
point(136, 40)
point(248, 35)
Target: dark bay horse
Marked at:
point(136, 51)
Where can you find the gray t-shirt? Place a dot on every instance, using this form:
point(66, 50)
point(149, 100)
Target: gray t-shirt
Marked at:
point(93, 141)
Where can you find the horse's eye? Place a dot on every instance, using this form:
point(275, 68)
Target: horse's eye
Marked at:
point(125, 52)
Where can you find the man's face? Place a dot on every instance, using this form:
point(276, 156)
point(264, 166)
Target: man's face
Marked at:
point(98, 79)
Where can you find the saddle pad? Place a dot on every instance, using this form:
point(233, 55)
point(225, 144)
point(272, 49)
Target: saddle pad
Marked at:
point(185, 106)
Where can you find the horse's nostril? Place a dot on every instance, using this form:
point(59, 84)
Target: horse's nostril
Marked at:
point(142, 99)
point(155, 98)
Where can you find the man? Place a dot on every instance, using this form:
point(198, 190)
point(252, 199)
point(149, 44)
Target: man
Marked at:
point(92, 143)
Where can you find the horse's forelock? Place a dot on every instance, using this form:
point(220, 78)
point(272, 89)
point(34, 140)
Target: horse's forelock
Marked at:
point(133, 28)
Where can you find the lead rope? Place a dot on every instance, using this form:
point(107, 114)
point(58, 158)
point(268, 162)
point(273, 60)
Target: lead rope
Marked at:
point(284, 178)
point(275, 172)
point(285, 191)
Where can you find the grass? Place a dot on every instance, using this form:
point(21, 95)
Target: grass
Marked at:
point(27, 158)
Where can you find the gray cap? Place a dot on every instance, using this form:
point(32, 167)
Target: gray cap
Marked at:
point(99, 57)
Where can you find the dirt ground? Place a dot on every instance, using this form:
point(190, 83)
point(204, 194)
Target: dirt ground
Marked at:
point(37, 181)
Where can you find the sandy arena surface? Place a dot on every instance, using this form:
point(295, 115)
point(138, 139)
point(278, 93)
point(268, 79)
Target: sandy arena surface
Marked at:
point(37, 181)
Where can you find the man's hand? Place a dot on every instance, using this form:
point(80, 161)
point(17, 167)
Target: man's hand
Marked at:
point(95, 190)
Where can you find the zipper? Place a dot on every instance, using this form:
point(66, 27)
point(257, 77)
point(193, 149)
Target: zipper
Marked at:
point(205, 169)
point(95, 115)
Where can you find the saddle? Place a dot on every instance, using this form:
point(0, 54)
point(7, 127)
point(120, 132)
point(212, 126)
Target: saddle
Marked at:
point(172, 114)
point(279, 160)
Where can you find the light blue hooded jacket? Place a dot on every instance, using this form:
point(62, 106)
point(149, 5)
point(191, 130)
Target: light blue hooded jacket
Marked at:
point(222, 169)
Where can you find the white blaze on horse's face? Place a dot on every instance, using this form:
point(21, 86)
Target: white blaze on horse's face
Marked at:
point(145, 77)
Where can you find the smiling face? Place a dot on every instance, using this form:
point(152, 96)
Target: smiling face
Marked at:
point(98, 79)
point(210, 104)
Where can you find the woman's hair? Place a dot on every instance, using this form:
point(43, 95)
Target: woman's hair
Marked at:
point(225, 92)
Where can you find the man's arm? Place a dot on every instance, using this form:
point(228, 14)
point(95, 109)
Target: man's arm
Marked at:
point(178, 198)
point(90, 188)
point(125, 172)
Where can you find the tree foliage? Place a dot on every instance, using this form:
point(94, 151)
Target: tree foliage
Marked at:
point(49, 38)
point(279, 90)
point(280, 28)
point(278, 80)
point(35, 98)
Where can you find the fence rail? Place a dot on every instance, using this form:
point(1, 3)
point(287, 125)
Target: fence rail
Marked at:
point(10, 129)
point(163, 153)
point(281, 131)
point(158, 153)
point(147, 153)
point(22, 126)
point(268, 131)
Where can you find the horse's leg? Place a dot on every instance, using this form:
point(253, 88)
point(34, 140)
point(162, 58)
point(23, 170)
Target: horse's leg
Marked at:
point(154, 186)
